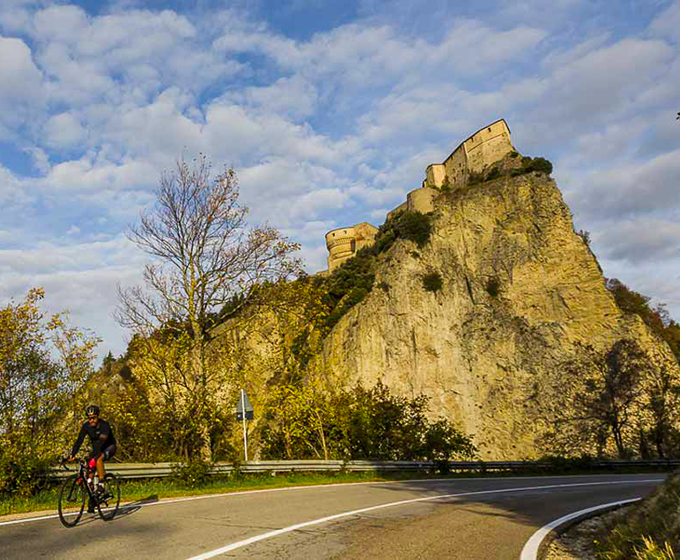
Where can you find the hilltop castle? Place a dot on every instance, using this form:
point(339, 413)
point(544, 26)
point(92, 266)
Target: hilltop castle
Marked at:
point(485, 147)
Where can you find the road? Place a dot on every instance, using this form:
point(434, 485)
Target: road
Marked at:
point(457, 518)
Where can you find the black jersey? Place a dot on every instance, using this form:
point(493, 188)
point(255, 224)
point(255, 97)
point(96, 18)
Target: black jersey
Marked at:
point(101, 436)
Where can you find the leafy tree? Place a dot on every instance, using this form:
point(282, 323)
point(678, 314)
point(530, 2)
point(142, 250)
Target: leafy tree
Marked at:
point(598, 397)
point(206, 261)
point(656, 318)
point(44, 364)
point(662, 391)
point(317, 420)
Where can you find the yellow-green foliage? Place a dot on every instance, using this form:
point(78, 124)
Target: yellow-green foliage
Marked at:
point(649, 531)
point(44, 364)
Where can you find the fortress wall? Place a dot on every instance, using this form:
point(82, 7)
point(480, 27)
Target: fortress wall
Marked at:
point(435, 175)
point(456, 167)
point(400, 208)
point(421, 200)
point(487, 146)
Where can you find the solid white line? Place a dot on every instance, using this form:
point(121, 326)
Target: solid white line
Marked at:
point(530, 550)
point(307, 487)
point(263, 536)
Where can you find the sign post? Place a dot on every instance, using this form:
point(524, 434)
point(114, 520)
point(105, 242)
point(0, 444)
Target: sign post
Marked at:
point(244, 411)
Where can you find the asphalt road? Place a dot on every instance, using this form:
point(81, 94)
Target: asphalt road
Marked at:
point(458, 519)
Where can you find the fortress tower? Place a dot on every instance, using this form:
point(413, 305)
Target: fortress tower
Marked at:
point(343, 243)
point(485, 147)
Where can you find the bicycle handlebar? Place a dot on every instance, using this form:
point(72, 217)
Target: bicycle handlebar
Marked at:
point(65, 461)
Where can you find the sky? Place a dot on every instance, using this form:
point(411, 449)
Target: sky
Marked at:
point(329, 112)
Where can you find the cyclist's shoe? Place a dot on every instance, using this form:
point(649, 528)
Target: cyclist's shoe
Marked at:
point(90, 509)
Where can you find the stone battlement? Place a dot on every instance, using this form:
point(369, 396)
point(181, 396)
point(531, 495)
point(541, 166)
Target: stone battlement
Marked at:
point(485, 147)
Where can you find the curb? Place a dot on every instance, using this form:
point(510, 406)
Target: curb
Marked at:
point(537, 546)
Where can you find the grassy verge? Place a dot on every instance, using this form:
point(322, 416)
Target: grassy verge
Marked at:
point(135, 490)
point(650, 530)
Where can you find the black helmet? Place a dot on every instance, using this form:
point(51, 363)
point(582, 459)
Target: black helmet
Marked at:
point(92, 410)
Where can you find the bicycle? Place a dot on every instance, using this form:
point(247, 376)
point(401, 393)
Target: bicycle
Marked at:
point(83, 485)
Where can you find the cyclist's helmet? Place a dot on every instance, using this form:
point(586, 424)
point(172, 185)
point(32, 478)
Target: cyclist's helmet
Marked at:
point(92, 410)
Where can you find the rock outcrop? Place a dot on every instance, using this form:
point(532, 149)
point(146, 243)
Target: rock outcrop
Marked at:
point(519, 289)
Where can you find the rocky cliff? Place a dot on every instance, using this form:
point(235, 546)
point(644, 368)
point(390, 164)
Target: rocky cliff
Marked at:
point(519, 289)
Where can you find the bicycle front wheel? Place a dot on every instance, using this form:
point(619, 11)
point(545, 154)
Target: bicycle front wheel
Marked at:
point(108, 500)
point(71, 495)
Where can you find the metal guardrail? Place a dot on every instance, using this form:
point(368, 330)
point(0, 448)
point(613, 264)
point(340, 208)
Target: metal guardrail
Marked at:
point(161, 470)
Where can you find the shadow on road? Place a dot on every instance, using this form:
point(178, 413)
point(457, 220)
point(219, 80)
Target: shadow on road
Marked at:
point(131, 508)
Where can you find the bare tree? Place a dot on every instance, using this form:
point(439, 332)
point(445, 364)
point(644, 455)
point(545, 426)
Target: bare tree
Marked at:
point(204, 256)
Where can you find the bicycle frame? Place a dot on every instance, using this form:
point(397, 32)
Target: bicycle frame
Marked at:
point(85, 473)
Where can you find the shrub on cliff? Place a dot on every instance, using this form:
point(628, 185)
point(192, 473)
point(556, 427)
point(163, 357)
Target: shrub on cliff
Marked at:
point(414, 226)
point(539, 164)
point(657, 318)
point(432, 282)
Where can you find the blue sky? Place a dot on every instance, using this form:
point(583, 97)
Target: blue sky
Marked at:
point(330, 113)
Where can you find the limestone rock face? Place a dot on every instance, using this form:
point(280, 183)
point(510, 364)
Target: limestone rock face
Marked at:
point(520, 288)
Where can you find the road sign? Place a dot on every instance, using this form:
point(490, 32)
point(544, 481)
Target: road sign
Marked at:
point(244, 405)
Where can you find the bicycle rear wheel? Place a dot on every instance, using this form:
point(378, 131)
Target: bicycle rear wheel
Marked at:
point(109, 500)
point(71, 495)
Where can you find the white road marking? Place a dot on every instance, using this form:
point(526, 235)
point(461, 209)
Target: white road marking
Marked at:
point(530, 550)
point(235, 494)
point(270, 534)
point(290, 488)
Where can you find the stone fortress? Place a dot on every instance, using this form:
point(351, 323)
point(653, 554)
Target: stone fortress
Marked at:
point(485, 147)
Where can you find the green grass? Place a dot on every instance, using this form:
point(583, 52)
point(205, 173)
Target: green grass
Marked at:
point(650, 529)
point(135, 490)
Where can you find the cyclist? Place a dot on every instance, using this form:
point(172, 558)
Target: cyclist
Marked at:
point(103, 445)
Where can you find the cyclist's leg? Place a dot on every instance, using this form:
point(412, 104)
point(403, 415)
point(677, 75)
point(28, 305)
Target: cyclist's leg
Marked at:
point(90, 472)
point(106, 454)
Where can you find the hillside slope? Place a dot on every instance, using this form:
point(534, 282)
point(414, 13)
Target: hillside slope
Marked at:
point(519, 289)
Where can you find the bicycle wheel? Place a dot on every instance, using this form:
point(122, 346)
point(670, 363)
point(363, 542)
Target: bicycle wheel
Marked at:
point(71, 495)
point(109, 500)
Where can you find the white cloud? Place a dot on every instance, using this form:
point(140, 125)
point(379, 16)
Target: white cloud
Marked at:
point(632, 189)
point(294, 96)
point(638, 241)
point(63, 131)
point(20, 82)
point(667, 23)
point(326, 131)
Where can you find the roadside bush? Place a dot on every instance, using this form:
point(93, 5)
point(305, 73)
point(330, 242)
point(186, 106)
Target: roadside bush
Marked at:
point(192, 474)
point(23, 476)
point(357, 423)
point(566, 464)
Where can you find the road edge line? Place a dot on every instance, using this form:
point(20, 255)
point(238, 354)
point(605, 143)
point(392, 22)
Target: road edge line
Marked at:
point(535, 547)
point(263, 536)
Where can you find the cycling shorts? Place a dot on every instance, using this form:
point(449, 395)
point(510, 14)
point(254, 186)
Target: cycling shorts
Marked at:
point(108, 452)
